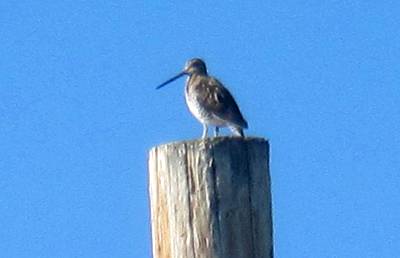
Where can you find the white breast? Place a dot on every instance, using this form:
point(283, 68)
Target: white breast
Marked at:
point(200, 113)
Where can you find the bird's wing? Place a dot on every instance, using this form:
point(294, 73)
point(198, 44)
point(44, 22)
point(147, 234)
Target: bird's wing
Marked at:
point(215, 98)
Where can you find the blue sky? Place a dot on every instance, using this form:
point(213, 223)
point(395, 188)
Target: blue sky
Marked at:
point(78, 114)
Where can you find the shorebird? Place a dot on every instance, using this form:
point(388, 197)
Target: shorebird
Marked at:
point(208, 100)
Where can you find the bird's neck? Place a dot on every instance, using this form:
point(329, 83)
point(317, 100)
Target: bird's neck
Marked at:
point(193, 80)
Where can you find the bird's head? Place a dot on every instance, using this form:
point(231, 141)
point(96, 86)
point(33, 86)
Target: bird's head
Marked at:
point(193, 66)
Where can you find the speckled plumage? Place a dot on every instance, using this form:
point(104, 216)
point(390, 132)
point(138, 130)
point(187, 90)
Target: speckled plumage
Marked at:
point(209, 101)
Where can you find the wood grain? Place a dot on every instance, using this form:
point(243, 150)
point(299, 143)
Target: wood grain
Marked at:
point(211, 198)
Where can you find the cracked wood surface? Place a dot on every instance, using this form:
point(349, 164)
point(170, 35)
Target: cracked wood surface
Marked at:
point(211, 199)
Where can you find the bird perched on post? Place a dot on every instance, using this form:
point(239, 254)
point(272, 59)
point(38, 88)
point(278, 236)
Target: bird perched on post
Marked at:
point(208, 100)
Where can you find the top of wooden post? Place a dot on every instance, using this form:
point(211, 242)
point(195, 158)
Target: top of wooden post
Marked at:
point(211, 198)
point(213, 141)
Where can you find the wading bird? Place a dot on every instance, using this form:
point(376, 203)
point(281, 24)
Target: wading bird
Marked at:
point(208, 100)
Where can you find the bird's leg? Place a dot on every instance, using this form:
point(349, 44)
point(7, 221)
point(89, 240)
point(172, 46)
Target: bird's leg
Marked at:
point(216, 132)
point(205, 130)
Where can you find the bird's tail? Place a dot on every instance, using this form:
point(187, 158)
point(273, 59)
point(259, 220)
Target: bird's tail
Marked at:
point(237, 131)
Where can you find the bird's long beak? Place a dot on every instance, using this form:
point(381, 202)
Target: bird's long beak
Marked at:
point(171, 80)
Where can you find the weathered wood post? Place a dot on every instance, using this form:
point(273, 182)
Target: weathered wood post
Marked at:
point(211, 198)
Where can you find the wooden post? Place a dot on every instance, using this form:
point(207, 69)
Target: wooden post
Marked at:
point(211, 198)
